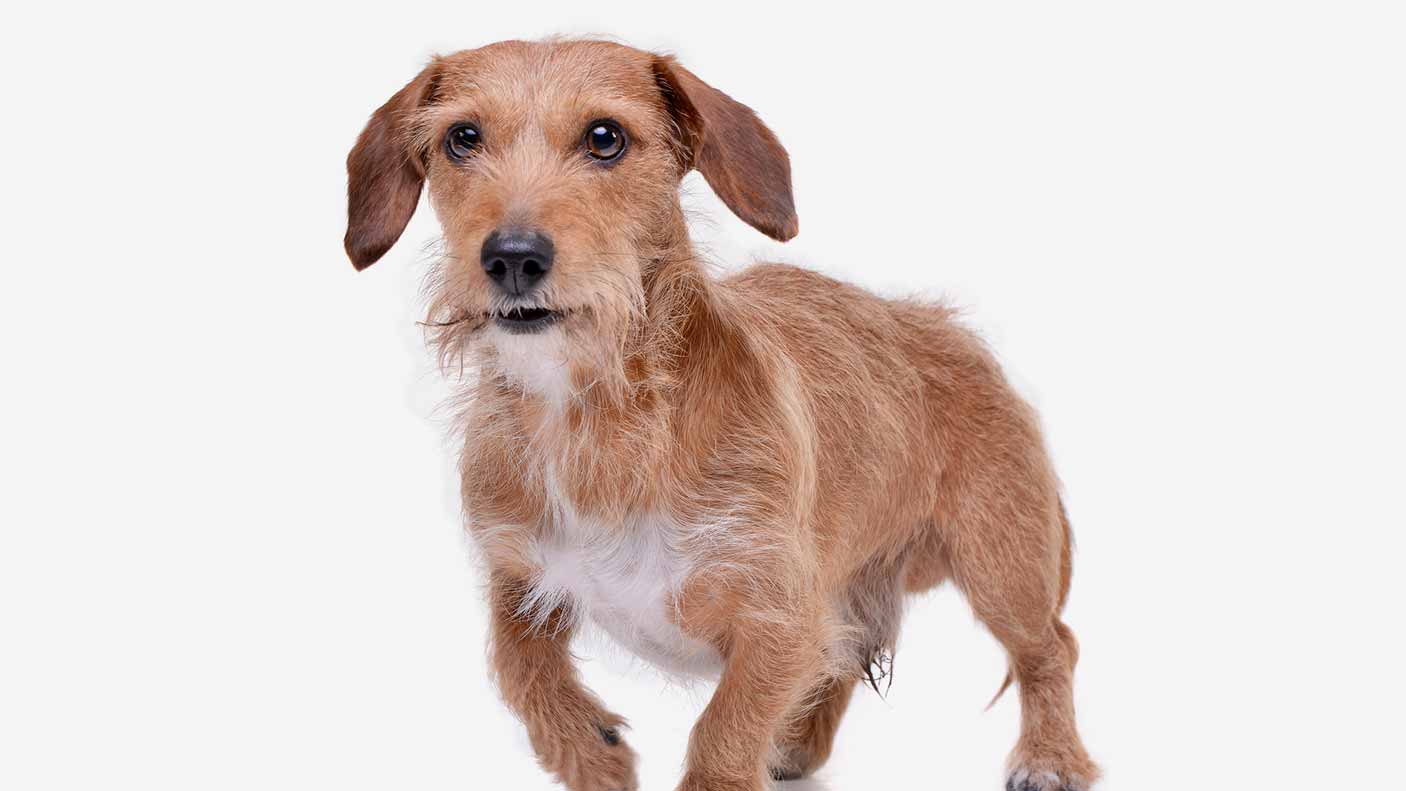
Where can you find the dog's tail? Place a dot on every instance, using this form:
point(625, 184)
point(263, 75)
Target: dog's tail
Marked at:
point(1066, 574)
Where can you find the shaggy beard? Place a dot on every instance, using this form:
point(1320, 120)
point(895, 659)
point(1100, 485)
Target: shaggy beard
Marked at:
point(618, 338)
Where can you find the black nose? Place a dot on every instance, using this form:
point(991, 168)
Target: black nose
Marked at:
point(516, 259)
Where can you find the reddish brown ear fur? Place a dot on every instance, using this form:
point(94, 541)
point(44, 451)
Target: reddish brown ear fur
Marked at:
point(742, 160)
point(384, 177)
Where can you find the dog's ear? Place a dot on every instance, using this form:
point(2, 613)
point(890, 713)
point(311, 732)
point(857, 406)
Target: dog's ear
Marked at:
point(384, 174)
point(742, 160)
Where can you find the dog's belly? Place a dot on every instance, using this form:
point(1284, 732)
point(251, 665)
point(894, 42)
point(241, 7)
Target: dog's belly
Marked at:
point(626, 581)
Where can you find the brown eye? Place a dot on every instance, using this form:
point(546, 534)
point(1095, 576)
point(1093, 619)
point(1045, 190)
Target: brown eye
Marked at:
point(605, 140)
point(461, 141)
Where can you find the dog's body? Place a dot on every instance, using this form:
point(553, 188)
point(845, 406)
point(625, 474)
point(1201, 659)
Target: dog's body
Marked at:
point(741, 476)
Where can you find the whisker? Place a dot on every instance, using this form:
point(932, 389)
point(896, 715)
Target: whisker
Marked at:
point(450, 323)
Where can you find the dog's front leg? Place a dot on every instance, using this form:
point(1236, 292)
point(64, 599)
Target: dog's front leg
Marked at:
point(575, 737)
point(774, 657)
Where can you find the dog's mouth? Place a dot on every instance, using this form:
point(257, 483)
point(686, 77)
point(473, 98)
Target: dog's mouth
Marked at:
point(521, 320)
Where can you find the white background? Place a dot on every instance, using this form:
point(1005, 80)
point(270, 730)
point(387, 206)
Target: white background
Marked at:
point(231, 548)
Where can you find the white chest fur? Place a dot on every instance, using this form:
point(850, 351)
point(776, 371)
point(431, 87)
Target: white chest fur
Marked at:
point(624, 578)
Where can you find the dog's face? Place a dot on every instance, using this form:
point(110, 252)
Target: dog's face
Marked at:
point(554, 171)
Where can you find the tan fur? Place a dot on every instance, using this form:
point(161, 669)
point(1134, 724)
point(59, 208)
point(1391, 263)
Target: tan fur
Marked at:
point(818, 452)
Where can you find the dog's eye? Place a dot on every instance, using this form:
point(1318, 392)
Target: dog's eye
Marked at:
point(605, 140)
point(461, 141)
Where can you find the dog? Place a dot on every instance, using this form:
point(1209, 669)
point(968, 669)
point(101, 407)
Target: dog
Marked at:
point(739, 477)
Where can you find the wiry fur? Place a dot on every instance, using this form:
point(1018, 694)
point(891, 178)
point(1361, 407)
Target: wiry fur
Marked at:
point(750, 471)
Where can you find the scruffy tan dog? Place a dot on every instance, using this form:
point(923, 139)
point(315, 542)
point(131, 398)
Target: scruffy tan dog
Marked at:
point(740, 476)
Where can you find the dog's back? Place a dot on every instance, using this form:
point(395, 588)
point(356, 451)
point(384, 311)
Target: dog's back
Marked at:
point(907, 404)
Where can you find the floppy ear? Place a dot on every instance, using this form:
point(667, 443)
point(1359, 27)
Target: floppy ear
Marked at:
point(742, 160)
point(384, 176)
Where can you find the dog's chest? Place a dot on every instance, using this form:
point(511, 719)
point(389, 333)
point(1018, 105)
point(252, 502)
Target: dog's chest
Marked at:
point(626, 579)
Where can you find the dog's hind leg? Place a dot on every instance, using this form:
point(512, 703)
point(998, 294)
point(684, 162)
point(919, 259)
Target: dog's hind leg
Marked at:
point(1009, 553)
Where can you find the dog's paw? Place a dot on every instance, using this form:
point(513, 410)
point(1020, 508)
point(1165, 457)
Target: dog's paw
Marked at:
point(1051, 767)
point(1025, 778)
point(589, 759)
point(693, 781)
point(781, 773)
point(790, 763)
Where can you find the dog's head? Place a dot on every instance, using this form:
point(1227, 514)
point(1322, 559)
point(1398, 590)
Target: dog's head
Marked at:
point(554, 170)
